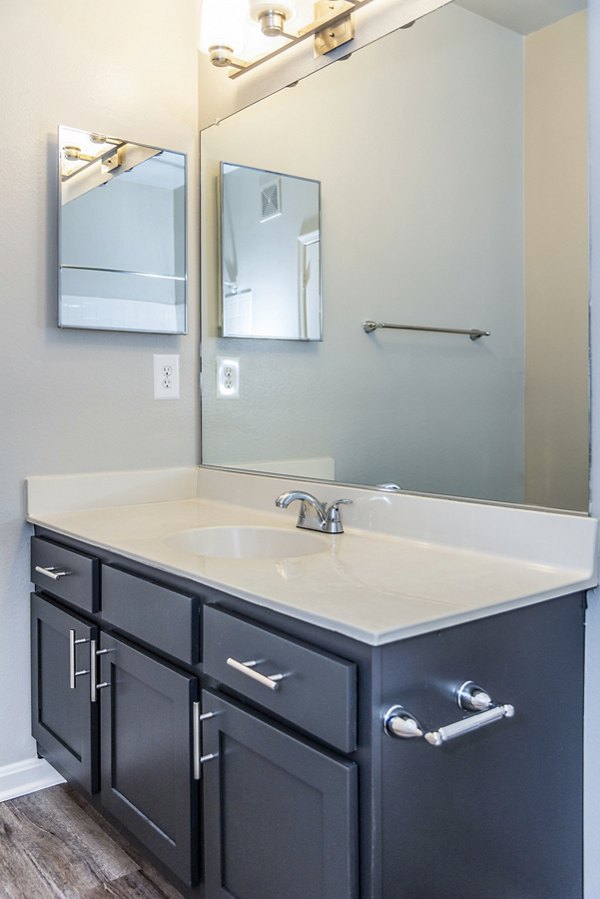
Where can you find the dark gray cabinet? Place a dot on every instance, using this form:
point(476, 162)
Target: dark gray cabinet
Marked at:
point(495, 813)
point(281, 813)
point(315, 690)
point(66, 574)
point(166, 620)
point(303, 793)
point(146, 751)
point(64, 721)
point(114, 717)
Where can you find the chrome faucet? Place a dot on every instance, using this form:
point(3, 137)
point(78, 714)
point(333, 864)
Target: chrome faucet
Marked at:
point(314, 515)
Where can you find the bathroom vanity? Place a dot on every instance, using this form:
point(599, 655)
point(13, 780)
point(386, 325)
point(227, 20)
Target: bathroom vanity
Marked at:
point(258, 749)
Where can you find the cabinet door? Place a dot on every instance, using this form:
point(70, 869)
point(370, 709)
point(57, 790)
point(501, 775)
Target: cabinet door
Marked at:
point(64, 721)
point(280, 814)
point(147, 773)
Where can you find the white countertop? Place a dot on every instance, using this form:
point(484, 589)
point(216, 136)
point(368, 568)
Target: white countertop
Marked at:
point(405, 565)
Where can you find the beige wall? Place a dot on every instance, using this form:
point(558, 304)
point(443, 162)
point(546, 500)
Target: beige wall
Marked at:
point(73, 400)
point(556, 265)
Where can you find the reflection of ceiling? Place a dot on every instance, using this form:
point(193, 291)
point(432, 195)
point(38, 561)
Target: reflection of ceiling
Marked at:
point(522, 16)
point(164, 170)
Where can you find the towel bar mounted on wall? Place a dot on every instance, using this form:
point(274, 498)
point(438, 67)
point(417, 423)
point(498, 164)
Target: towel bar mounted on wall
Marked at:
point(474, 333)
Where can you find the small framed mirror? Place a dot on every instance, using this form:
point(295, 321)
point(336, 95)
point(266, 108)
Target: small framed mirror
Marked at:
point(122, 235)
point(270, 284)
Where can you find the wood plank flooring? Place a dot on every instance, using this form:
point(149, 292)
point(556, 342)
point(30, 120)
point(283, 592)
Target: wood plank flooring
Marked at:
point(54, 845)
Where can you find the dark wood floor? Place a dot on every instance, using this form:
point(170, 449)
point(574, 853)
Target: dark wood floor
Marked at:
point(53, 844)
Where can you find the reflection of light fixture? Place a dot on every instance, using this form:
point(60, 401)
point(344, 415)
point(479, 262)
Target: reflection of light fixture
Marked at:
point(73, 153)
point(223, 23)
point(85, 152)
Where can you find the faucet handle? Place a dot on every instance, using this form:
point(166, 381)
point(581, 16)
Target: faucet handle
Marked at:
point(333, 519)
point(339, 502)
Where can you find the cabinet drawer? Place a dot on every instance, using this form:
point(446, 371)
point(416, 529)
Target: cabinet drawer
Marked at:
point(163, 618)
point(65, 573)
point(317, 691)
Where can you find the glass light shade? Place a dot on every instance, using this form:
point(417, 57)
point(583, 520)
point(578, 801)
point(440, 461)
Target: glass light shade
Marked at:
point(222, 25)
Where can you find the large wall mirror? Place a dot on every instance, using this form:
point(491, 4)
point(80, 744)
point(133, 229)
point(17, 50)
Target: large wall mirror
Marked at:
point(122, 235)
point(452, 160)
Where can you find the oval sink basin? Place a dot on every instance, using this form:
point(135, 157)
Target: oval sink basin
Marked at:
point(247, 543)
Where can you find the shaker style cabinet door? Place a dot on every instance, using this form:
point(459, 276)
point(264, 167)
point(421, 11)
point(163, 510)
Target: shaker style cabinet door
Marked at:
point(146, 750)
point(64, 720)
point(280, 814)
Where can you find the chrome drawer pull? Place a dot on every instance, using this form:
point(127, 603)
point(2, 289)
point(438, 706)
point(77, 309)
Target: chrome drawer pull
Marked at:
point(197, 717)
point(94, 685)
point(270, 681)
point(451, 731)
point(52, 571)
point(196, 739)
point(73, 642)
point(209, 757)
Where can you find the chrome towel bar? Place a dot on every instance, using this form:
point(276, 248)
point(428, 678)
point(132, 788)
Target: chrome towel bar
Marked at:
point(474, 333)
point(119, 271)
point(470, 697)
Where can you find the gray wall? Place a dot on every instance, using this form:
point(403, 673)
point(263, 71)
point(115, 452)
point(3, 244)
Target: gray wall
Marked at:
point(79, 401)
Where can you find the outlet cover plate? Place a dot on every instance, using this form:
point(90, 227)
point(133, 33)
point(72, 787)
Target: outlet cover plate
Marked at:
point(228, 377)
point(166, 377)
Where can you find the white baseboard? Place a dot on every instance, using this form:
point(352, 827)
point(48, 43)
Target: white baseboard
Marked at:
point(27, 777)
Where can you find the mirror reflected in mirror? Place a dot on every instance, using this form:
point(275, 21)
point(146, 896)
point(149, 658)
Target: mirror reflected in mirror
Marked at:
point(454, 197)
point(122, 235)
point(270, 255)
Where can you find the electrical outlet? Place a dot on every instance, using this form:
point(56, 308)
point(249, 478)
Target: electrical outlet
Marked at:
point(166, 377)
point(228, 377)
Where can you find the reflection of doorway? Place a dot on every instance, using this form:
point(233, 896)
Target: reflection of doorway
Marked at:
point(309, 287)
point(237, 314)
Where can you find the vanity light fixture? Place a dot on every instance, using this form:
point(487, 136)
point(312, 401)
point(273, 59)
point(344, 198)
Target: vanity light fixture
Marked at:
point(222, 30)
point(226, 26)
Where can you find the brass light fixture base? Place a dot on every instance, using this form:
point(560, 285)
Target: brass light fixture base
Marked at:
point(272, 22)
point(333, 27)
point(333, 35)
point(221, 56)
